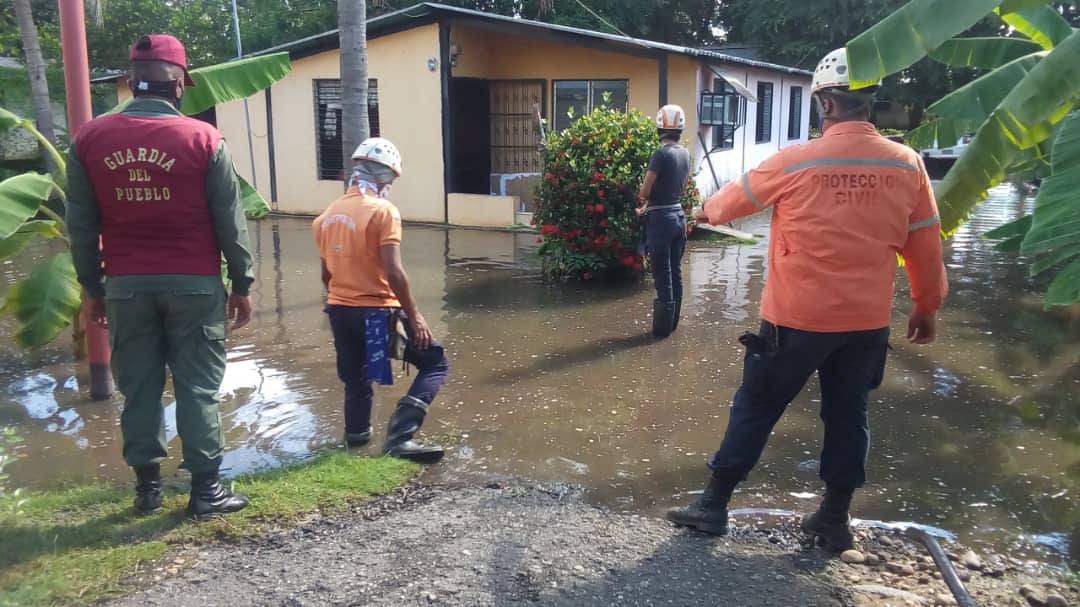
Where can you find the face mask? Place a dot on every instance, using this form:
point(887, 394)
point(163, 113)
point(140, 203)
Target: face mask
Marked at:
point(384, 192)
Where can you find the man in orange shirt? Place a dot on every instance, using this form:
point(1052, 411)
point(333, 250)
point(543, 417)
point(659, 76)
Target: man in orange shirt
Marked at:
point(843, 207)
point(359, 239)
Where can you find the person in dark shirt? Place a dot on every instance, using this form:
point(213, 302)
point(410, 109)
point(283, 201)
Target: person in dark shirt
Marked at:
point(665, 222)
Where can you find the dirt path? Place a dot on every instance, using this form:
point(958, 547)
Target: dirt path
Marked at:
point(522, 544)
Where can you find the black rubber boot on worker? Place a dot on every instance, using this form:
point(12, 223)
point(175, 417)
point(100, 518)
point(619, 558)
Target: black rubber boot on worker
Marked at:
point(358, 439)
point(663, 318)
point(708, 514)
point(209, 498)
point(404, 424)
point(831, 523)
point(148, 489)
point(678, 313)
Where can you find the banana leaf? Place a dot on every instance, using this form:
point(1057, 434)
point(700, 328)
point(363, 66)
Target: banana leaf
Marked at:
point(963, 110)
point(14, 244)
point(1022, 120)
point(1043, 24)
point(20, 199)
point(1055, 231)
point(8, 120)
point(1011, 234)
point(233, 80)
point(1009, 6)
point(985, 53)
point(255, 206)
point(906, 36)
point(44, 303)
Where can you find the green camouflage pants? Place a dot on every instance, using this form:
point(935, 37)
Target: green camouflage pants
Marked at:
point(176, 322)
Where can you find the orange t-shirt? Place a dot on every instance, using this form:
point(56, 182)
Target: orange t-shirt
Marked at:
point(349, 234)
point(843, 206)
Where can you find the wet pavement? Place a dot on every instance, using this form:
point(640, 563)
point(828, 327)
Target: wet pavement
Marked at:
point(977, 435)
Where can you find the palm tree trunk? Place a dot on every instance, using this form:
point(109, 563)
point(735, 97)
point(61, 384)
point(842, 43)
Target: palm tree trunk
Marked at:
point(352, 31)
point(35, 64)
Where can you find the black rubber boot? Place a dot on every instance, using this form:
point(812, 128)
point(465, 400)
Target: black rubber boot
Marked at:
point(209, 498)
point(404, 424)
point(708, 514)
point(358, 439)
point(830, 523)
point(663, 318)
point(678, 313)
point(148, 489)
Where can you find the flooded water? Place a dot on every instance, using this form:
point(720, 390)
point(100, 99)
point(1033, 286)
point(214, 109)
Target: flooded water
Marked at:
point(977, 435)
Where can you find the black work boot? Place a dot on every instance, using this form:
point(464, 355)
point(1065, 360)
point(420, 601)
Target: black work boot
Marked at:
point(663, 318)
point(209, 498)
point(404, 424)
point(678, 313)
point(148, 489)
point(830, 522)
point(358, 439)
point(708, 514)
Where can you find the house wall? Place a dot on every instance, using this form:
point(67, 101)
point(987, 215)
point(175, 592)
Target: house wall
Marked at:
point(410, 110)
point(497, 56)
point(747, 153)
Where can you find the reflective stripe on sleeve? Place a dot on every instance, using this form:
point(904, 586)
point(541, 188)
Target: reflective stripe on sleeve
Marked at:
point(749, 192)
point(929, 221)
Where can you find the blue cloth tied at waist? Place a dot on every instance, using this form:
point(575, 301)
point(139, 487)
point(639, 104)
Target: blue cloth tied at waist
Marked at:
point(377, 327)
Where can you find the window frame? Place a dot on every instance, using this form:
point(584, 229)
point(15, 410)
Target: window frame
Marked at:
point(733, 113)
point(318, 96)
point(795, 122)
point(763, 129)
point(590, 99)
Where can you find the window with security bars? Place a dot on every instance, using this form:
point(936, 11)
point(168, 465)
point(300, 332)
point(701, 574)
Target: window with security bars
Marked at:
point(328, 126)
point(794, 125)
point(515, 131)
point(764, 112)
point(723, 109)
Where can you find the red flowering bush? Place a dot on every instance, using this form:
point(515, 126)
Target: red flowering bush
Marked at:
point(585, 201)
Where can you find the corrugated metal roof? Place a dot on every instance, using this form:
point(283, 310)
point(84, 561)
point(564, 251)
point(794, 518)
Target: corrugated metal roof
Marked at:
point(424, 11)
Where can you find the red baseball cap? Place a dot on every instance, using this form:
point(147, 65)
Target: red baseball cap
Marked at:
point(162, 47)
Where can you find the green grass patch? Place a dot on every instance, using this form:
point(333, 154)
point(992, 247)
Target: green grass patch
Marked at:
point(77, 545)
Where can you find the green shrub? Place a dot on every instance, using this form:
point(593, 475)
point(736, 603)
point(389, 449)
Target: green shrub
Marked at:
point(585, 201)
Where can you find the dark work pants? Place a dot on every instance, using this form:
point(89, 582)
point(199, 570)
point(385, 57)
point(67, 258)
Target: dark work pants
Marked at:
point(183, 330)
point(778, 363)
point(665, 238)
point(347, 324)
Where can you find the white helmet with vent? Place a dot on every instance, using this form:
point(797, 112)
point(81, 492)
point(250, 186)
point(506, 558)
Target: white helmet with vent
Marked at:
point(377, 149)
point(832, 72)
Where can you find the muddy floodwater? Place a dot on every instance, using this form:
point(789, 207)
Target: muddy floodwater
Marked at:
point(977, 436)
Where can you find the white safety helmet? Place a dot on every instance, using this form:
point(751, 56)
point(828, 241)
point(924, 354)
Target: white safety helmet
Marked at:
point(377, 149)
point(832, 72)
point(671, 118)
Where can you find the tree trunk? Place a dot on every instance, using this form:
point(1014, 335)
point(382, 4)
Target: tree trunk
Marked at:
point(35, 65)
point(352, 31)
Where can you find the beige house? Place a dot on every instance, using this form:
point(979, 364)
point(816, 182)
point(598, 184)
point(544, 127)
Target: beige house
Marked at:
point(460, 92)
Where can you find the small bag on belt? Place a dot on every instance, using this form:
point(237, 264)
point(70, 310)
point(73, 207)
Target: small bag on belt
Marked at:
point(399, 338)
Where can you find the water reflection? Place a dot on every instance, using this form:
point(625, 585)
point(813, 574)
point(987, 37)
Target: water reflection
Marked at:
point(975, 435)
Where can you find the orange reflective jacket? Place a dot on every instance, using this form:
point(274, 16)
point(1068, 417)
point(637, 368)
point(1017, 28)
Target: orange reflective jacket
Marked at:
point(843, 206)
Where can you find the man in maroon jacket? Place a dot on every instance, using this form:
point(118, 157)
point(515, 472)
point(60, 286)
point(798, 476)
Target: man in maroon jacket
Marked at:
point(158, 191)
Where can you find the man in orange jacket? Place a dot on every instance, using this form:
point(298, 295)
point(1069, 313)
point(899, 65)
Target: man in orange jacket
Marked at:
point(843, 206)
